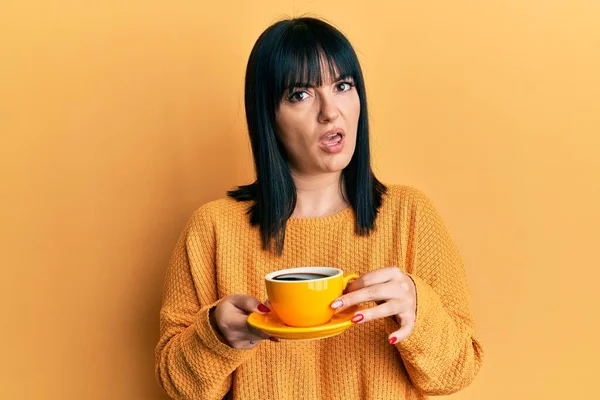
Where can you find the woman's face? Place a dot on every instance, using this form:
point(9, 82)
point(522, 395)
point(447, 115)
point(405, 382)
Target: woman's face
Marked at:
point(318, 125)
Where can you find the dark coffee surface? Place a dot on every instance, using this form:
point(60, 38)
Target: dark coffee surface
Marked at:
point(295, 277)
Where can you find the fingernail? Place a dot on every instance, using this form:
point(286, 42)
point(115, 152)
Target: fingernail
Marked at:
point(274, 339)
point(263, 308)
point(393, 340)
point(337, 304)
point(358, 318)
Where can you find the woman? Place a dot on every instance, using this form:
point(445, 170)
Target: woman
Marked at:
point(315, 201)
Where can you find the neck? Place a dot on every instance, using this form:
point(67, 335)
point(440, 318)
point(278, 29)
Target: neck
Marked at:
point(318, 195)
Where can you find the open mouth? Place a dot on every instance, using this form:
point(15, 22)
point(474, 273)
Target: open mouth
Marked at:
point(333, 139)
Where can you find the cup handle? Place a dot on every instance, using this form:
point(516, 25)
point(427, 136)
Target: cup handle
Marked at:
point(349, 277)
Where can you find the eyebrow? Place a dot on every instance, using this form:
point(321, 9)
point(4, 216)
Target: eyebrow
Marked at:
point(310, 85)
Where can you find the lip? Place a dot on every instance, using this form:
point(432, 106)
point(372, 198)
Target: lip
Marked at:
point(332, 132)
point(336, 148)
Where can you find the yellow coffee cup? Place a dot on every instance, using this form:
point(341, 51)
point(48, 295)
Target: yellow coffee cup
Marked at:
point(302, 297)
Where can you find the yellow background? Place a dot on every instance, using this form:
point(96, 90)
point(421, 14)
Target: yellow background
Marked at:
point(119, 118)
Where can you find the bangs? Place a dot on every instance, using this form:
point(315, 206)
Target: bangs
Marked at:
point(304, 54)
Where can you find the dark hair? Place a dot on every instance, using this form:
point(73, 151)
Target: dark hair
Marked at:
point(287, 53)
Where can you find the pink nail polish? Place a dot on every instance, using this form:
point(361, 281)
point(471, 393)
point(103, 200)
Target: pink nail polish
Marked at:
point(393, 340)
point(358, 318)
point(263, 308)
point(337, 304)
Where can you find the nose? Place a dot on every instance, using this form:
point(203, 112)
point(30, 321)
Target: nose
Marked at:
point(328, 110)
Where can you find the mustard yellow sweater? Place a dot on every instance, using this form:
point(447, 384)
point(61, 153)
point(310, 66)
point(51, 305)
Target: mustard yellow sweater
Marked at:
point(219, 253)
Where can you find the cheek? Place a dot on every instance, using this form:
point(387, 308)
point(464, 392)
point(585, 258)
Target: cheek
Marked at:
point(356, 108)
point(290, 135)
point(294, 128)
point(351, 109)
point(285, 127)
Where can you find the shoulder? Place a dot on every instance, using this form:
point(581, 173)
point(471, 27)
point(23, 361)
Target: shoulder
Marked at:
point(412, 203)
point(224, 210)
point(407, 196)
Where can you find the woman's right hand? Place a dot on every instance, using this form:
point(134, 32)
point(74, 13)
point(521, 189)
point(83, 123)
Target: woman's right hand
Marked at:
point(231, 317)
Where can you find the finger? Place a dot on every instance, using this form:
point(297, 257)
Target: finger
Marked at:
point(238, 322)
point(257, 332)
point(244, 336)
point(247, 341)
point(237, 318)
point(255, 336)
point(387, 309)
point(374, 278)
point(406, 328)
point(248, 304)
point(271, 338)
point(383, 291)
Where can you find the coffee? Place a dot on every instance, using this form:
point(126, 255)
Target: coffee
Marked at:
point(300, 276)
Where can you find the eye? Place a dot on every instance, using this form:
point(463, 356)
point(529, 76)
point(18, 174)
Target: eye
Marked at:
point(297, 96)
point(345, 86)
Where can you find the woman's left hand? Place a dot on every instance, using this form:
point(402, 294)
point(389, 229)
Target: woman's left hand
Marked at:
point(395, 295)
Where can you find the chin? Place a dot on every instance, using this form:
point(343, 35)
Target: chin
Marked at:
point(338, 163)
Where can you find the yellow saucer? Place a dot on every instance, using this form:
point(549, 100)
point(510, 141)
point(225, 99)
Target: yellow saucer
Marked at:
point(272, 325)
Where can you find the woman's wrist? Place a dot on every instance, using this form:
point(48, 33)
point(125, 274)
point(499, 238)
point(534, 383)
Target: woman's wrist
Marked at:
point(215, 326)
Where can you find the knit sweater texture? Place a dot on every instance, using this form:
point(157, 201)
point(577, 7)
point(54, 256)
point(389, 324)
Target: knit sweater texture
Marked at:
point(219, 253)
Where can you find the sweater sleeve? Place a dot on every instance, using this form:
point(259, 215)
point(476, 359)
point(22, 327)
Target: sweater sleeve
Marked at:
point(442, 355)
point(191, 361)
